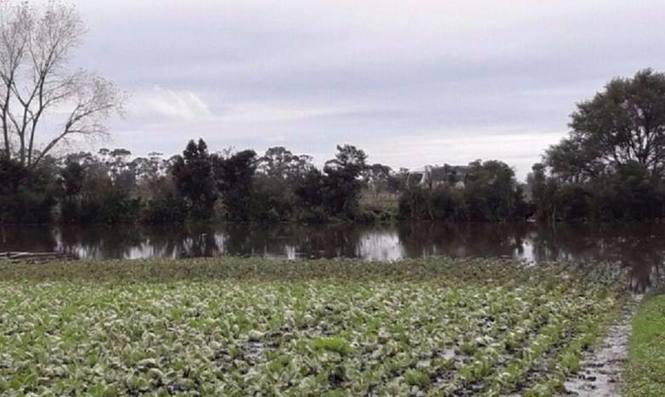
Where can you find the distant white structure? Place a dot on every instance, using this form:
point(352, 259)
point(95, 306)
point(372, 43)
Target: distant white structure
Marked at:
point(433, 175)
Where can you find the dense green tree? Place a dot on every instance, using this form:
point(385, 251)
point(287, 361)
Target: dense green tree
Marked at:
point(378, 178)
point(348, 158)
point(543, 193)
point(415, 203)
point(234, 180)
point(487, 193)
point(573, 162)
point(156, 187)
point(164, 204)
point(280, 163)
point(26, 195)
point(72, 179)
point(447, 204)
point(194, 180)
point(623, 123)
point(342, 184)
point(107, 193)
point(279, 172)
point(611, 165)
point(309, 193)
point(490, 191)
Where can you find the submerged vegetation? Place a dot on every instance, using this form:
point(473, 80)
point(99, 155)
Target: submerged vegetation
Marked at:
point(246, 326)
point(646, 354)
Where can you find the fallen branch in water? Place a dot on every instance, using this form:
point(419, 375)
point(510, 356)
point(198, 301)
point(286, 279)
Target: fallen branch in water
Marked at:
point(35, 256)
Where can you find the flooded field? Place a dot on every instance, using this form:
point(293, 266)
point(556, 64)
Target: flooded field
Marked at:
point(641, 247)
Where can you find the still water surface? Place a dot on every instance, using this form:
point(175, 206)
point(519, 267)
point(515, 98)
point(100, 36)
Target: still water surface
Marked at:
point(641, 247)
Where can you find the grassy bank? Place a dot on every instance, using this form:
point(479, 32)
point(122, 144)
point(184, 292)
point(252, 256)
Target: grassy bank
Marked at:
point(245, 326)
point(645, 375)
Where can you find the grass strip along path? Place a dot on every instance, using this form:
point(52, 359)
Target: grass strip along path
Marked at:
point(307, 328)
point(645, 375)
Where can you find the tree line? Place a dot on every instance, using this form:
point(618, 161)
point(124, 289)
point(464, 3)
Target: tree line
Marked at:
point(112, 187)
point(610, 167)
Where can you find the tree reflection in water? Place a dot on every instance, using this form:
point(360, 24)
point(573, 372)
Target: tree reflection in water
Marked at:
point(640, 247)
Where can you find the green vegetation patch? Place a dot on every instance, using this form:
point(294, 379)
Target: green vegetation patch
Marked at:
point(645, 375)
point(243, 327)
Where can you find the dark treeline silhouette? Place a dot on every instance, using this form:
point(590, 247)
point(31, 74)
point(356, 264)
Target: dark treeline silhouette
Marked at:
point(487, 191)
point(111, 187)
point(610, 167)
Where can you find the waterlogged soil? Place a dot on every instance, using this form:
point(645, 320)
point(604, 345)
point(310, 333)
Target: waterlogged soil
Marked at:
point(334, 328)
point(601, 370)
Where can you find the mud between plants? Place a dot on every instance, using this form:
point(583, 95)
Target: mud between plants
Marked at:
point(601, 370)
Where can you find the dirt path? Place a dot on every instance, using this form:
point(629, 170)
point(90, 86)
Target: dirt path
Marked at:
point(600, 371)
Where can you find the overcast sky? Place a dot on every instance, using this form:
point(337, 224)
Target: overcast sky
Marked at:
point(411, 82)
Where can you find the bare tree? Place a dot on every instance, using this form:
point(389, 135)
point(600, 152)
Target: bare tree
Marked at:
point(35, 78)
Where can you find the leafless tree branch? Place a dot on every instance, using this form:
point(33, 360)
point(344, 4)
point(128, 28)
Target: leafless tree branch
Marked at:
point(35, 78)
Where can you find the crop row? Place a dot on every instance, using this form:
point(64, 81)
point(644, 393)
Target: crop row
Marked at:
point(450, 334)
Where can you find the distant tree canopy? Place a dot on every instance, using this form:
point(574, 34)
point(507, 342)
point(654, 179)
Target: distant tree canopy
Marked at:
point(234, 177)
point(621, 125)
point(194, 179)
point(25, 195)
point(341, 185)
point(197, 185)
point(276, 186)
point(612, 164)
point(610, 167)
point(487, 193)
point(278, 162)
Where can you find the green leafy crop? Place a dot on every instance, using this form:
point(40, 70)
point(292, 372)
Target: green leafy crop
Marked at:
point(242, 327)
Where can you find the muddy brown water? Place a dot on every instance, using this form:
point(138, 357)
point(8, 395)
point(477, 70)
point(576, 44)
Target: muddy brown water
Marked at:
point(640, 246)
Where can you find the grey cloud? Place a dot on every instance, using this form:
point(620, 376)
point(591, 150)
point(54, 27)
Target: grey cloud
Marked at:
point(377, 73)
